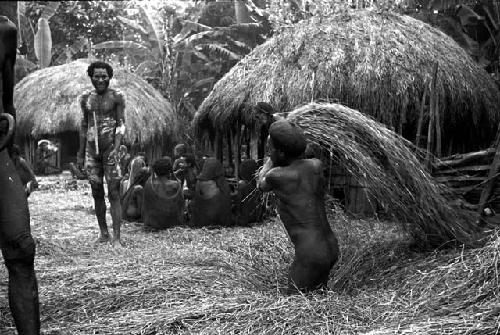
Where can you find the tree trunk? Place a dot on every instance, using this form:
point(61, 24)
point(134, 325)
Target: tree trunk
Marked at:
point(432, 116)
point(421, 116)
point(9, 9)
point(241, 12)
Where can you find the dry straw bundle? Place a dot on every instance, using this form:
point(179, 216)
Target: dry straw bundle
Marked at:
point(386, 165)
point(228, 281)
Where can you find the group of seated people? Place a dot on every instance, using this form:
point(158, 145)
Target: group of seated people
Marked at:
point(188, 192)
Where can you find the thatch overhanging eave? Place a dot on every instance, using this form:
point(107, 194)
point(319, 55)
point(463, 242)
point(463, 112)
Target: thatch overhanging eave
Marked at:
point(47, 103)
point(377, 63)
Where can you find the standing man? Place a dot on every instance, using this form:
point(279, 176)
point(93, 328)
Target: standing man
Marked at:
point(16, 242)
point(103, 126)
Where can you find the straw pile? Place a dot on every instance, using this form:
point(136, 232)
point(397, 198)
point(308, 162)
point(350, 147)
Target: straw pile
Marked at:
point(228, 281)
point(385, 164)
point(47, 103)
point(378, 63)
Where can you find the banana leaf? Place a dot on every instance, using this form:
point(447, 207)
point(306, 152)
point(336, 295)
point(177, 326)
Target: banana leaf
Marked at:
point(43, 43)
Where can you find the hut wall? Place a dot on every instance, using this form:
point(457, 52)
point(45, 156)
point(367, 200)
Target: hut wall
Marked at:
point(349, 192)
point(28, 146)
point(69, 143)
point(159, 148)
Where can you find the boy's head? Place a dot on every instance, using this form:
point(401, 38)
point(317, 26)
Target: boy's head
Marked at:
point(180, 150)
point(123, 149)
point(228, 170)
point(163, 166)
point(142, 176)
point(286, 142)
point(212, 170)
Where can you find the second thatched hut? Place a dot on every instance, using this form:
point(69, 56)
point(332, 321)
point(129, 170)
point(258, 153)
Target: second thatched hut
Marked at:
point(379, 63)
point(47, 107)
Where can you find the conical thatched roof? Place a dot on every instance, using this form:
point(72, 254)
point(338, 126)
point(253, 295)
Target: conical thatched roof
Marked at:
point(47, 103)
point(377, 63)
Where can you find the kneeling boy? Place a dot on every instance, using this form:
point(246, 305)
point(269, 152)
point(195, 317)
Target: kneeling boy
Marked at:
point(298, 186)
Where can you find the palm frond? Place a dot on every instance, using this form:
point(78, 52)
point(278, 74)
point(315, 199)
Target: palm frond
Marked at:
point(221, 51)
point(132, 24)
point(120, 45)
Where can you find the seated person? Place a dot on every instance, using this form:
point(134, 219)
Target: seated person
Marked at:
point(248, 198)
point(180, 150)
point(45, 157)
point(124, 157)
point(136, 164)
point(211, 204)
point(163, 205)
point(185, 171)
point(132, 200)
point(298, 186)
point(24, 170)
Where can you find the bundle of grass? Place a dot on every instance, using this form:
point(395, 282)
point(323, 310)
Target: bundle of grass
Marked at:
point(450, 293)
point(47, 103)
point(384, 162)
point(378, 63)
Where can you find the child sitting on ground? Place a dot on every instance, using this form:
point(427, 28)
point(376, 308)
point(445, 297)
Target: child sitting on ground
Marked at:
point(132, 200)
point(135, 165)
point(298, 186)
point(211, 205)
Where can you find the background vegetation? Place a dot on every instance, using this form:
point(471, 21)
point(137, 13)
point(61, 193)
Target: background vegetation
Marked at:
point(184, 47)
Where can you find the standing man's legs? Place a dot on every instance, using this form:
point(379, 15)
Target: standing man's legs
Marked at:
point(100, 210)
point(18, 249)
point(113, 178)
point(95, 172)
point(115, 209)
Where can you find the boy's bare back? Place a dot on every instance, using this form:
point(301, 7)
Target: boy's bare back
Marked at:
point(299, 186)
point(299, 189)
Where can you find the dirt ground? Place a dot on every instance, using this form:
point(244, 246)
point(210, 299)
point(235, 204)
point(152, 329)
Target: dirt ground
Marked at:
point(229, 281)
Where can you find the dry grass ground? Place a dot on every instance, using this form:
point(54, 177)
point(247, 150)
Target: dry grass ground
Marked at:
point(229, 281)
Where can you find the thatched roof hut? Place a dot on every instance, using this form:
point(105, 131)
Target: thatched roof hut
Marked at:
point(47, 103)
point(378, 63)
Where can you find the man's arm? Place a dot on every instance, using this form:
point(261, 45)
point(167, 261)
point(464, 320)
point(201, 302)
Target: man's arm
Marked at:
point(28, 168)
point(120, 119)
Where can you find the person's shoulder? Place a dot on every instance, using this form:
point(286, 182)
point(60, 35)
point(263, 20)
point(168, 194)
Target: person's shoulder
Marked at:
point(117, 94)
point(279, 172)
point(84, 96)
point(311, 163)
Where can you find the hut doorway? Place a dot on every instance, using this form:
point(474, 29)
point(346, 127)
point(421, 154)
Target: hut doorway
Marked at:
point(69, 142)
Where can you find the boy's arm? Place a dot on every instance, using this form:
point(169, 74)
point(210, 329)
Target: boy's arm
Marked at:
point(263, 182)
point(28, 168)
